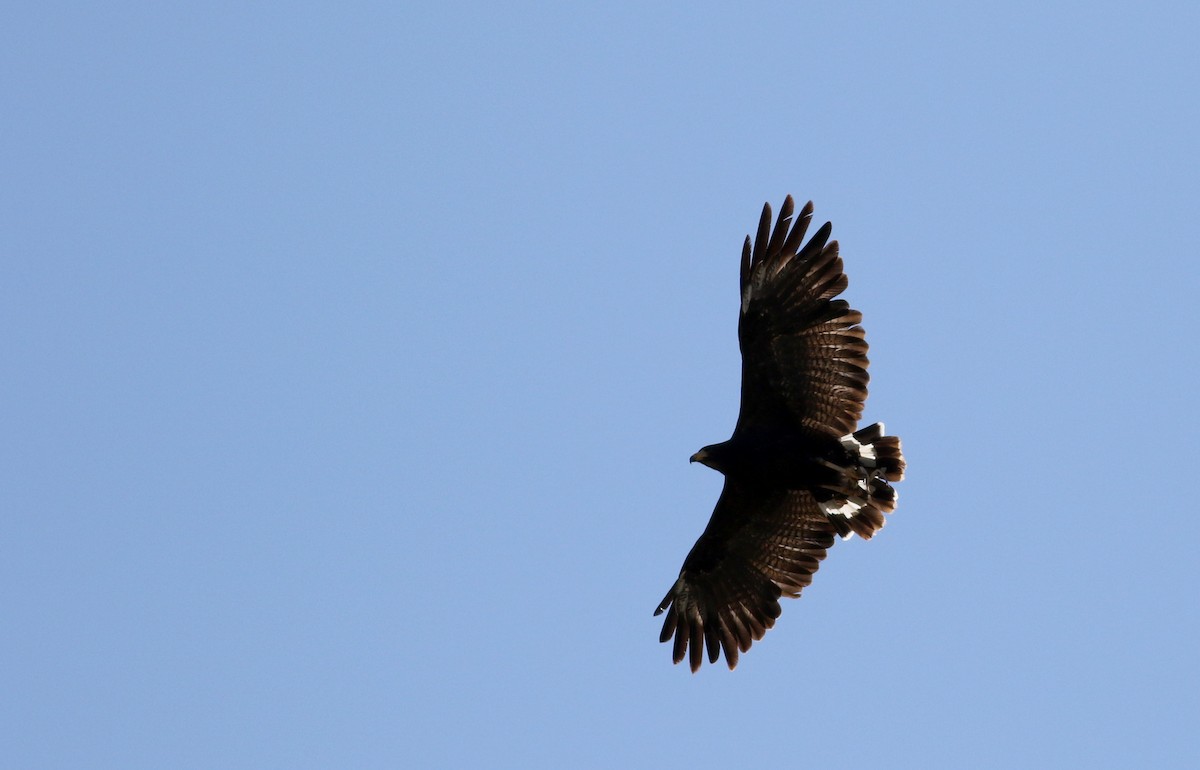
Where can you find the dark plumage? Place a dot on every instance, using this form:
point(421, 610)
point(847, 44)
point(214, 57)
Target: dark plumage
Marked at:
point(796, 473)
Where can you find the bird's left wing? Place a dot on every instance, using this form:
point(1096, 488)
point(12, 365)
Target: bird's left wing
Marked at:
point(804, 354)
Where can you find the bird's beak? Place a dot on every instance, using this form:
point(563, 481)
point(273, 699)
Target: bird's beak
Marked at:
point(699, 457)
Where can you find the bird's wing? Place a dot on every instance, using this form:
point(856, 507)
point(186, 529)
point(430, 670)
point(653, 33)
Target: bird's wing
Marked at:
point(804, 354)
point(758, 545)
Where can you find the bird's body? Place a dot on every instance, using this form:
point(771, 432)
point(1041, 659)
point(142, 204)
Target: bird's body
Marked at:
point(774, 458)
point(797, 472)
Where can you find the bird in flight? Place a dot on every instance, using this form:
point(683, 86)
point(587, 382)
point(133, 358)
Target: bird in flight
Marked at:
point(798, 471)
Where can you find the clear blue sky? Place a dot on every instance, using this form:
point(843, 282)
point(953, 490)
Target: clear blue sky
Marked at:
point(352, 356)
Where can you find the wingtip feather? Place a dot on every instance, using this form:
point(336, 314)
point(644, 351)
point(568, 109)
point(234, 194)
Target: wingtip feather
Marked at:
point(763, 235)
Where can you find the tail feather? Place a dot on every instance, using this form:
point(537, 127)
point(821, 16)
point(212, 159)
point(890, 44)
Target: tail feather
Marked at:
point(858, 504)
point(888, 457)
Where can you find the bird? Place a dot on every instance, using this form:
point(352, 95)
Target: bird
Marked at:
point(799, 472)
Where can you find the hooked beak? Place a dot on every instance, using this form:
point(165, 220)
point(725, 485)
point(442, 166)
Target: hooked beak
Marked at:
point(699, 457)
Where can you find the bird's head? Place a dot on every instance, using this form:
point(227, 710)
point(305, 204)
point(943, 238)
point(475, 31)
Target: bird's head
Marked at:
point(706, 456)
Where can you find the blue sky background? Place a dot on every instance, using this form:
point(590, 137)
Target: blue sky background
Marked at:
point(353, 355)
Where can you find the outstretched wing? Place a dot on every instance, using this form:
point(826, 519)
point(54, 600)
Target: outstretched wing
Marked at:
point(760, 544)
point(804, 355)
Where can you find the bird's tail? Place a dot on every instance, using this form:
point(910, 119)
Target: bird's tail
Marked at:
point(864, 493)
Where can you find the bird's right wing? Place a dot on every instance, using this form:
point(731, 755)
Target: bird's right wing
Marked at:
point(758, 545)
